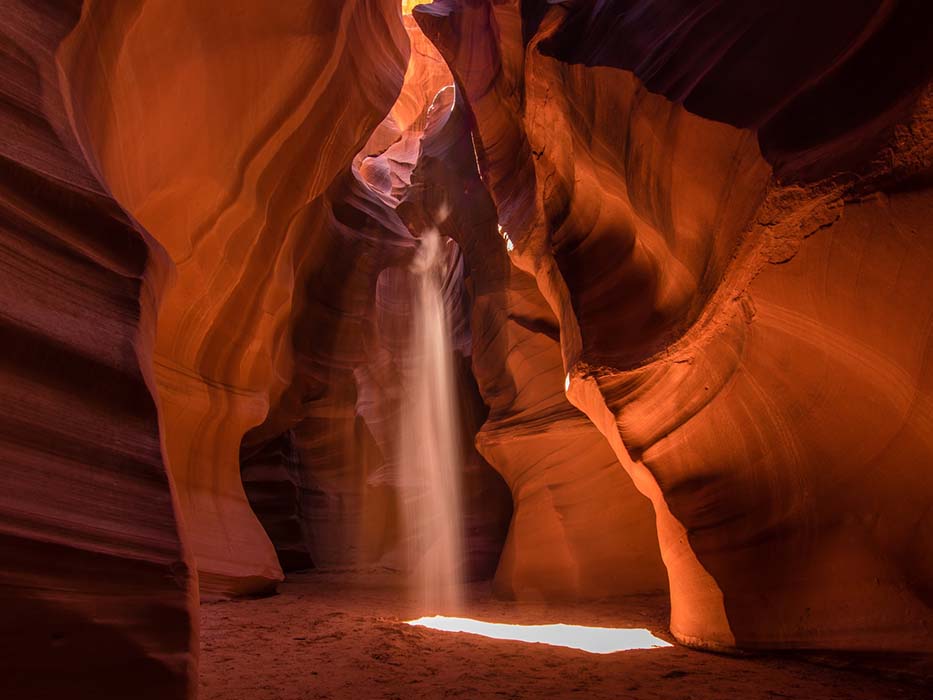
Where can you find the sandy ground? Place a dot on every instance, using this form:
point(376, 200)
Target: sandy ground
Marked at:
point(332, 635)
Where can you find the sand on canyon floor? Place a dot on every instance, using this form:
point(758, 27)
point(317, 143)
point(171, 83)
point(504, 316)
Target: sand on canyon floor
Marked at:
point(341, 635)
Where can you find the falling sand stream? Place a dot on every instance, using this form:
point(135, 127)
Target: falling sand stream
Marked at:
point(429, 452)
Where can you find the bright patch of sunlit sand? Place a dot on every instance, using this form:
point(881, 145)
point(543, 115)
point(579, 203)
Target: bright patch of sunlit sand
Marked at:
point(596, 640)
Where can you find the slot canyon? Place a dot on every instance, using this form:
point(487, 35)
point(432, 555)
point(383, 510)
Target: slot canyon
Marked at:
point(466, 348)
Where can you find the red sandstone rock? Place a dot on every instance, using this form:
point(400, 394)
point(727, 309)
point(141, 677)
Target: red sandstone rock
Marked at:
point(224, 163)
point(95, 581)
point(352, 361)
point(739, 311)
point(580, 529)
point(714, 227)
point(271, 473)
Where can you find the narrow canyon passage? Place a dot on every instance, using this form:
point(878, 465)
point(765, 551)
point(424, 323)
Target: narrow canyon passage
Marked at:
point(325, 316)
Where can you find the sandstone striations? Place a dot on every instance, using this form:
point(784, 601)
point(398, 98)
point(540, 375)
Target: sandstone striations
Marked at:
point(226, 166)
point(579, 529)
point(95, 582)
point(687, 253)
point(731, 242)
point(352, 364)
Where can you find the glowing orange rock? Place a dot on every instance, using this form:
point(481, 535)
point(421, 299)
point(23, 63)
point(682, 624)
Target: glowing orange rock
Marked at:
point(222, 162)
point(700, 223)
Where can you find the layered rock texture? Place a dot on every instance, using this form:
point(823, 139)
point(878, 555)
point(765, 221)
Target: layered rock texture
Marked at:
point(97, 593)
point(580, 529)
point(732, 239)
point(353, 362)
point(227, 163)
point(688, 251)
point(162, 167)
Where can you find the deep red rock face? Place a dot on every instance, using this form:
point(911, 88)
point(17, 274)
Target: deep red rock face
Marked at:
point(731, 238)
point(95, 580)
point(272, 479)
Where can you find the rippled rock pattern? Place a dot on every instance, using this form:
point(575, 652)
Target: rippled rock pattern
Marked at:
point(226, 163)
point(732, 239)
point(689, 283)
point(580, 529)
point(95, 581)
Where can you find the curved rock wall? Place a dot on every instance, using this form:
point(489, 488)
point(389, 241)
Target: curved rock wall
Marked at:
point(579, 529)
point(272, 480)
point(95, 582)
point(218, 125)
point(351, 353)
point(695, 263)
point(731, 241)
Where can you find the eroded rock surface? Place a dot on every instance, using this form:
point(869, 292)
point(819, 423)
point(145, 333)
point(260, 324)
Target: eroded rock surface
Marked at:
point(226, 164)
point(95, 581)
point(688, 278)
point(732, 242)
point(353, 361)
point(580, 529)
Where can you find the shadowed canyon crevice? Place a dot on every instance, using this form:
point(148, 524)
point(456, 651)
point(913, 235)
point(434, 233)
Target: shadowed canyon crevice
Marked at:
point(686, 253)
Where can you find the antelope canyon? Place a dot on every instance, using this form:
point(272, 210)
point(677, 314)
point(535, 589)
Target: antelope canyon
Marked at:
point(466, 348)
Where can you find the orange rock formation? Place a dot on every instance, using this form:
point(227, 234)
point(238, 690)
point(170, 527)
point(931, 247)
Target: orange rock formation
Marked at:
point(689, 287)
point(226, 168)
point(733, 247)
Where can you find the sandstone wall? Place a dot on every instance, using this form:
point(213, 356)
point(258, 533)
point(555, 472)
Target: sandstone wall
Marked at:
point(96, 582)
point(219, 126)
point(726, 209)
